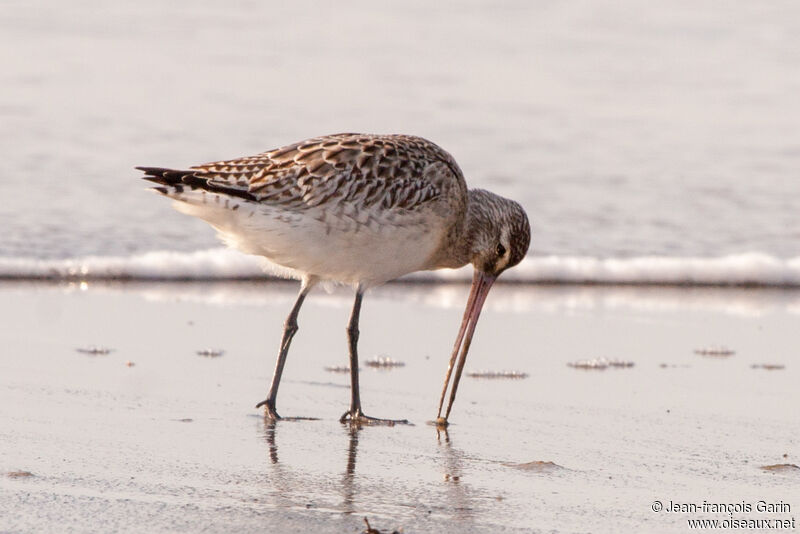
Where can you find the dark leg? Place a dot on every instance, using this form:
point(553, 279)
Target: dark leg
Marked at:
point(355, 415)
point(352, 345)
point(289, 329)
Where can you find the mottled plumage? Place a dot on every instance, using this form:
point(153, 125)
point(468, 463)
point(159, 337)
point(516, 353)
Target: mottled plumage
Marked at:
point(371, 170)
point(354, 208)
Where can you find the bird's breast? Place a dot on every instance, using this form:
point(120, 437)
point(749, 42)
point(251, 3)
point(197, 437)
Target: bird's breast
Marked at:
point(345, 244)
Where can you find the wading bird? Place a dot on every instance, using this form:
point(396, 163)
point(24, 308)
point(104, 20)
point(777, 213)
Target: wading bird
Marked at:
point(355, 209)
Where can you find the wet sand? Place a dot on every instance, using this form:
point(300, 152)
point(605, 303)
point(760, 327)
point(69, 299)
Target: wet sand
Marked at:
point(153, 437)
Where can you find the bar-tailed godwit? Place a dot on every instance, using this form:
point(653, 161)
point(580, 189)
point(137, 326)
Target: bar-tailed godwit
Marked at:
point(356, 209)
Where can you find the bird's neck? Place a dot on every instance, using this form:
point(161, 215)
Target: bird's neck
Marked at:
point(459, 244)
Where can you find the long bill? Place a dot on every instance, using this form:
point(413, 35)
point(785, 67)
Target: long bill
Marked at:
point(481, 284)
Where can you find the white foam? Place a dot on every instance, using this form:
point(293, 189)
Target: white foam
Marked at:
point(754, 269)
point(738, 269)
point(211, 264)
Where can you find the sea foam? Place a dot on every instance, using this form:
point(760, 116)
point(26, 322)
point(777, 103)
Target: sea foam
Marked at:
point(749, 269)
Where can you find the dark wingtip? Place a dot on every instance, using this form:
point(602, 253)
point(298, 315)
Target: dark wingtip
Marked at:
point(155, 171)
point(161, 175)
point(177, 179)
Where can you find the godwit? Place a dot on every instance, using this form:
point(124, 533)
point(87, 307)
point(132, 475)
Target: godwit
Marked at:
point(355, 209)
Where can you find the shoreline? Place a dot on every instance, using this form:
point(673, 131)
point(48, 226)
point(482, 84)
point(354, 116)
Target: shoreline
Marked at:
point(747, 270)
point(410, 281)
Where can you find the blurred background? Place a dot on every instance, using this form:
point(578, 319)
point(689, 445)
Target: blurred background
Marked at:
point(625, 128)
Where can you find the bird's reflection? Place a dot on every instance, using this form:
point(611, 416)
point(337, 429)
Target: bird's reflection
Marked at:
point(282, 479)
point(349, 483)
point(457, 492)
point(292, 487)
point(442, 433)
point(269, 433)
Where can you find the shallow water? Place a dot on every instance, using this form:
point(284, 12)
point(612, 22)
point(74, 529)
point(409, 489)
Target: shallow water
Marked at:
point(173, 443)
point(625, 129)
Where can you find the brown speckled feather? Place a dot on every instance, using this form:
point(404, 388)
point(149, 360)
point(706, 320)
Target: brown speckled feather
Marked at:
point(384, 171)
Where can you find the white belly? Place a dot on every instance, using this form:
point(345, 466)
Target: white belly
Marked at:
point(349, 246)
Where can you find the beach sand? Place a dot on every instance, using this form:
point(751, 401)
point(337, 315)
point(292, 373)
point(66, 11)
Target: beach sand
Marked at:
point(153, 437)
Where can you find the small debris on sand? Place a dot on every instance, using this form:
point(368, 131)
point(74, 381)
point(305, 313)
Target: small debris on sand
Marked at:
point(715, 350)
point(94, 350)
point(129, 363)
point(768, 366)
point(338, 368)
point(19, 474)
point(782, 468)
point(383, 362)
point(211, 353)
point(537, 466)
point(497, 374)
point(600, 364)
point(619, 363)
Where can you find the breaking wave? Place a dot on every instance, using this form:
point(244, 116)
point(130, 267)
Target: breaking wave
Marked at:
point(749, 269)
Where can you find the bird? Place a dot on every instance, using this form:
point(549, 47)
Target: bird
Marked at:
point(359, 210)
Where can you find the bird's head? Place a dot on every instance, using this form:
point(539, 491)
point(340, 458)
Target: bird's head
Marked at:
point(499, 235)
point(500, 232)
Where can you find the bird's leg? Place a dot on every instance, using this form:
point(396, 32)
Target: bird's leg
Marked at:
point(289, 329)
point(355, 415)
point(352, 345)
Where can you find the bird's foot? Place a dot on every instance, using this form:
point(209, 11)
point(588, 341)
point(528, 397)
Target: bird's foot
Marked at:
point(269, 409)
point(272, 415)
point(357, 418)
point(440, 423)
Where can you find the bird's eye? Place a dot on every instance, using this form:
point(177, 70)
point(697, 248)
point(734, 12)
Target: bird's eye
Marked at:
point(501, 250)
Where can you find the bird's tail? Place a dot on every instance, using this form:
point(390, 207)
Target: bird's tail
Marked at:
point(177, 184)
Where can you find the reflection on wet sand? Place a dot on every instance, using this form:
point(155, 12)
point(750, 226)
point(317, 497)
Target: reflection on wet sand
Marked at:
point(269, 433)
point(282, 485)
point(283, 479)
point(358, 495)
point(457, 491)
point(348, 481)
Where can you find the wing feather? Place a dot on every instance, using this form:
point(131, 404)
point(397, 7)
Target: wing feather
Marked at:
point(381, 170)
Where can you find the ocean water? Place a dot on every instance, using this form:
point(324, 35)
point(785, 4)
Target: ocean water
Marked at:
point(648, 142)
